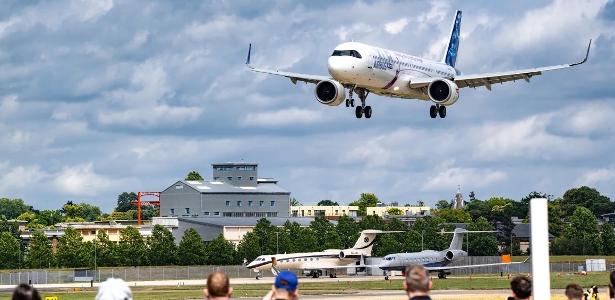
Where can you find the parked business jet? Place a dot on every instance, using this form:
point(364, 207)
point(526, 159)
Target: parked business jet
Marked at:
point(315, 262)
point(433, 261)
point(363, 69)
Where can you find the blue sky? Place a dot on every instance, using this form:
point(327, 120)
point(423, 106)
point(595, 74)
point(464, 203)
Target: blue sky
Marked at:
point(101, 97)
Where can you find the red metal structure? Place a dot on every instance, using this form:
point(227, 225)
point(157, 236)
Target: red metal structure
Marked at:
point(151, 202)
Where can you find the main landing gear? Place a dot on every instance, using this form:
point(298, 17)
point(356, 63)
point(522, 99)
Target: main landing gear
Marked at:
point(362, 110)
point(436, 110)
point(442, 274)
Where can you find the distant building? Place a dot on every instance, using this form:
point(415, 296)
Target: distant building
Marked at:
point(235, 191)
point(407, 210)
point(232, 229)
point(329, 212)
point(458, 202)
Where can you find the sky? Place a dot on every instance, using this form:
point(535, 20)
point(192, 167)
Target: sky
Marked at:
point(101, 97)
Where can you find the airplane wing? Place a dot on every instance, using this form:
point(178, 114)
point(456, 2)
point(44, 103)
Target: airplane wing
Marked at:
point(471, 266)
point(488, 79)
point(294, 77)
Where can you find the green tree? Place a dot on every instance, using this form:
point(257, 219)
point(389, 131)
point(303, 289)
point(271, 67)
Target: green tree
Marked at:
point(391, 242)
point(194, 175)
point(70, 249)
point(39, 253)
point(149, 212)
point(348, 231)
point(132, 247)
point(481, 244)
point(7, 226)
point(107, 252)
point(81, 211)
point(581, 236)
point(443, 204)
point(220, 252)
point(191, 249)
point(124, 201)
point(394, 211)
point(327, 202)
point(12, 208)
point(294, 202)
point(50, 217)
point(366, 200)
point(9, 251)
point(371, 222)
point(162, 241)
point(556, 218)
point(586, 197)
point(249, 247)
point(608, 239)
point(430, 227)
point(521, 208)
point(326, 235)
point(451, 215)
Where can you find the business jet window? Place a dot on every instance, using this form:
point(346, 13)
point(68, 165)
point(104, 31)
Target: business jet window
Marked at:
point(352, 53)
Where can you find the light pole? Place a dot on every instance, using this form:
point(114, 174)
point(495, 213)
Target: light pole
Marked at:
point(277, 242)
point(422, 233)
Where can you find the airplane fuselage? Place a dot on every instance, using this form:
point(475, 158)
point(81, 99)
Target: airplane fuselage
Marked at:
point(427, 258)
point(306, 260)
point(383, 71)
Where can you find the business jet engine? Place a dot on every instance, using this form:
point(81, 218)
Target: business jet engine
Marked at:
point(349, 254)
point(330, 92)
point(449, 255)
point(443, 92)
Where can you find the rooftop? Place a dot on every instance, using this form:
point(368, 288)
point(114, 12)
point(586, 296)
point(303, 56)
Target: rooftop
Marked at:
point(246, 221)
point(215, 187)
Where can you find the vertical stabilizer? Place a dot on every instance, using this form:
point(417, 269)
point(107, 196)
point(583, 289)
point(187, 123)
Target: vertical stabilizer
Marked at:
point(366, 240)
point(457, 241)
point(450, 57)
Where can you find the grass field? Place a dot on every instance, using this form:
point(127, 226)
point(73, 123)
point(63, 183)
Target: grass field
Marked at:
point(558, 281)
point(567, 258)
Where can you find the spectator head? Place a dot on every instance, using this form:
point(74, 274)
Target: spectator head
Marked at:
point(417, 281)
point(218, 286)
point(574, 292)
point(521, 287)
point(25, 292)
point(612, 285)
point(286, 286)
point(114, 289)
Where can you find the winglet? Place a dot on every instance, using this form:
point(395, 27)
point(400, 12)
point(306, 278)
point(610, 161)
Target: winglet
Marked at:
point(586, 55)
point(249, 52)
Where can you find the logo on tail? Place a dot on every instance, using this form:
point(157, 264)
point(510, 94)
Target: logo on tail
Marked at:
point(453, 43)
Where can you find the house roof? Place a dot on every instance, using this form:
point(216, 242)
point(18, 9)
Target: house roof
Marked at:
point(216, 187)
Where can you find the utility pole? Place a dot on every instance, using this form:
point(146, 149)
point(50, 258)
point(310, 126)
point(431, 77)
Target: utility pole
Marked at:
point(422, 233)
point(277, 242)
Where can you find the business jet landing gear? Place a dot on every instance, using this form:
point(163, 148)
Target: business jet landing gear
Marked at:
point(259, 275)
point(436, 110)
point(332, 274)
point(363, 110)
point(386, 275)
point(442, 274)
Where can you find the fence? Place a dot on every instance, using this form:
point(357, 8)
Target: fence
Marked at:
point(155, 273)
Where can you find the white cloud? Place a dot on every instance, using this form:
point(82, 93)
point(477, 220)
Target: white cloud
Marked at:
point(81, 180)
point(9, 105)
point(396, 27)
point(151, 117)
point(597, 176)
point(449, 178)
point(290, 116)
point(15, 178)
point(354, 31)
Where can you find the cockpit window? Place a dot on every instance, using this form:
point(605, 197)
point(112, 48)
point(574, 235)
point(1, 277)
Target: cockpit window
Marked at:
point(352, 53)
point(390, 258)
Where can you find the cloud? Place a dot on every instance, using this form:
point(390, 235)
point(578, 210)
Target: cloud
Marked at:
point(292, 116)
point(81, 180)
point(14, 178)
point(449, 178)
point(8, 105)
point(597, 176)
point(396, 27)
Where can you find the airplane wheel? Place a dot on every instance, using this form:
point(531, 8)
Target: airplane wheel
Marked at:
point(433, 111)
point(258, 277)
point(316, 275)
point(358, 112)
point(347, 103)
point(386, 277)
point(351, 102)
point(331, 275)
point(368, 112)
point(442, 111)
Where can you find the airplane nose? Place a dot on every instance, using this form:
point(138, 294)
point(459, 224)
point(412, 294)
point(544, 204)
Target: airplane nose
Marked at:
point(337, 67)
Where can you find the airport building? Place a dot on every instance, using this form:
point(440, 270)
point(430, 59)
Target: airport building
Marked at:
point(329, 212)
point(235, 191)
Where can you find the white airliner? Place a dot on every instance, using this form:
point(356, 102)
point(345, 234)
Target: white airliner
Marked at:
point(362, 69)
point(315, 262)
point(432, 260)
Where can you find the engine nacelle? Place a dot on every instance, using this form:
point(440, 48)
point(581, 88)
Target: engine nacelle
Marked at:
point(443, 92)
point(330, 92)
point(349, 253)
point(452, 254)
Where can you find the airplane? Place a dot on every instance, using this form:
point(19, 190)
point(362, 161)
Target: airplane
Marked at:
point(315, 262)
point(434, 261)
point(363, 69)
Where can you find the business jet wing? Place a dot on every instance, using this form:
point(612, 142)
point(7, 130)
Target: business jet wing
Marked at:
point(488, 79)
point(294, 77)
point(472, 266)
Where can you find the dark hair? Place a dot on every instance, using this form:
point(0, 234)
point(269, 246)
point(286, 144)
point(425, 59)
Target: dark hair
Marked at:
point(612, 285)
point(574, 291)
point(25, 292)
point(521, 286)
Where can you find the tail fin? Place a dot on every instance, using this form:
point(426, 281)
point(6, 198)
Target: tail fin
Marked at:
point(450, 57)
point(366, 240)
point(457, 241)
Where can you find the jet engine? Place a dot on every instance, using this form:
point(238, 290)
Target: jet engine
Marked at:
point(349, 254)
point(449, 255)
point(443, 92)
point(330, 92)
